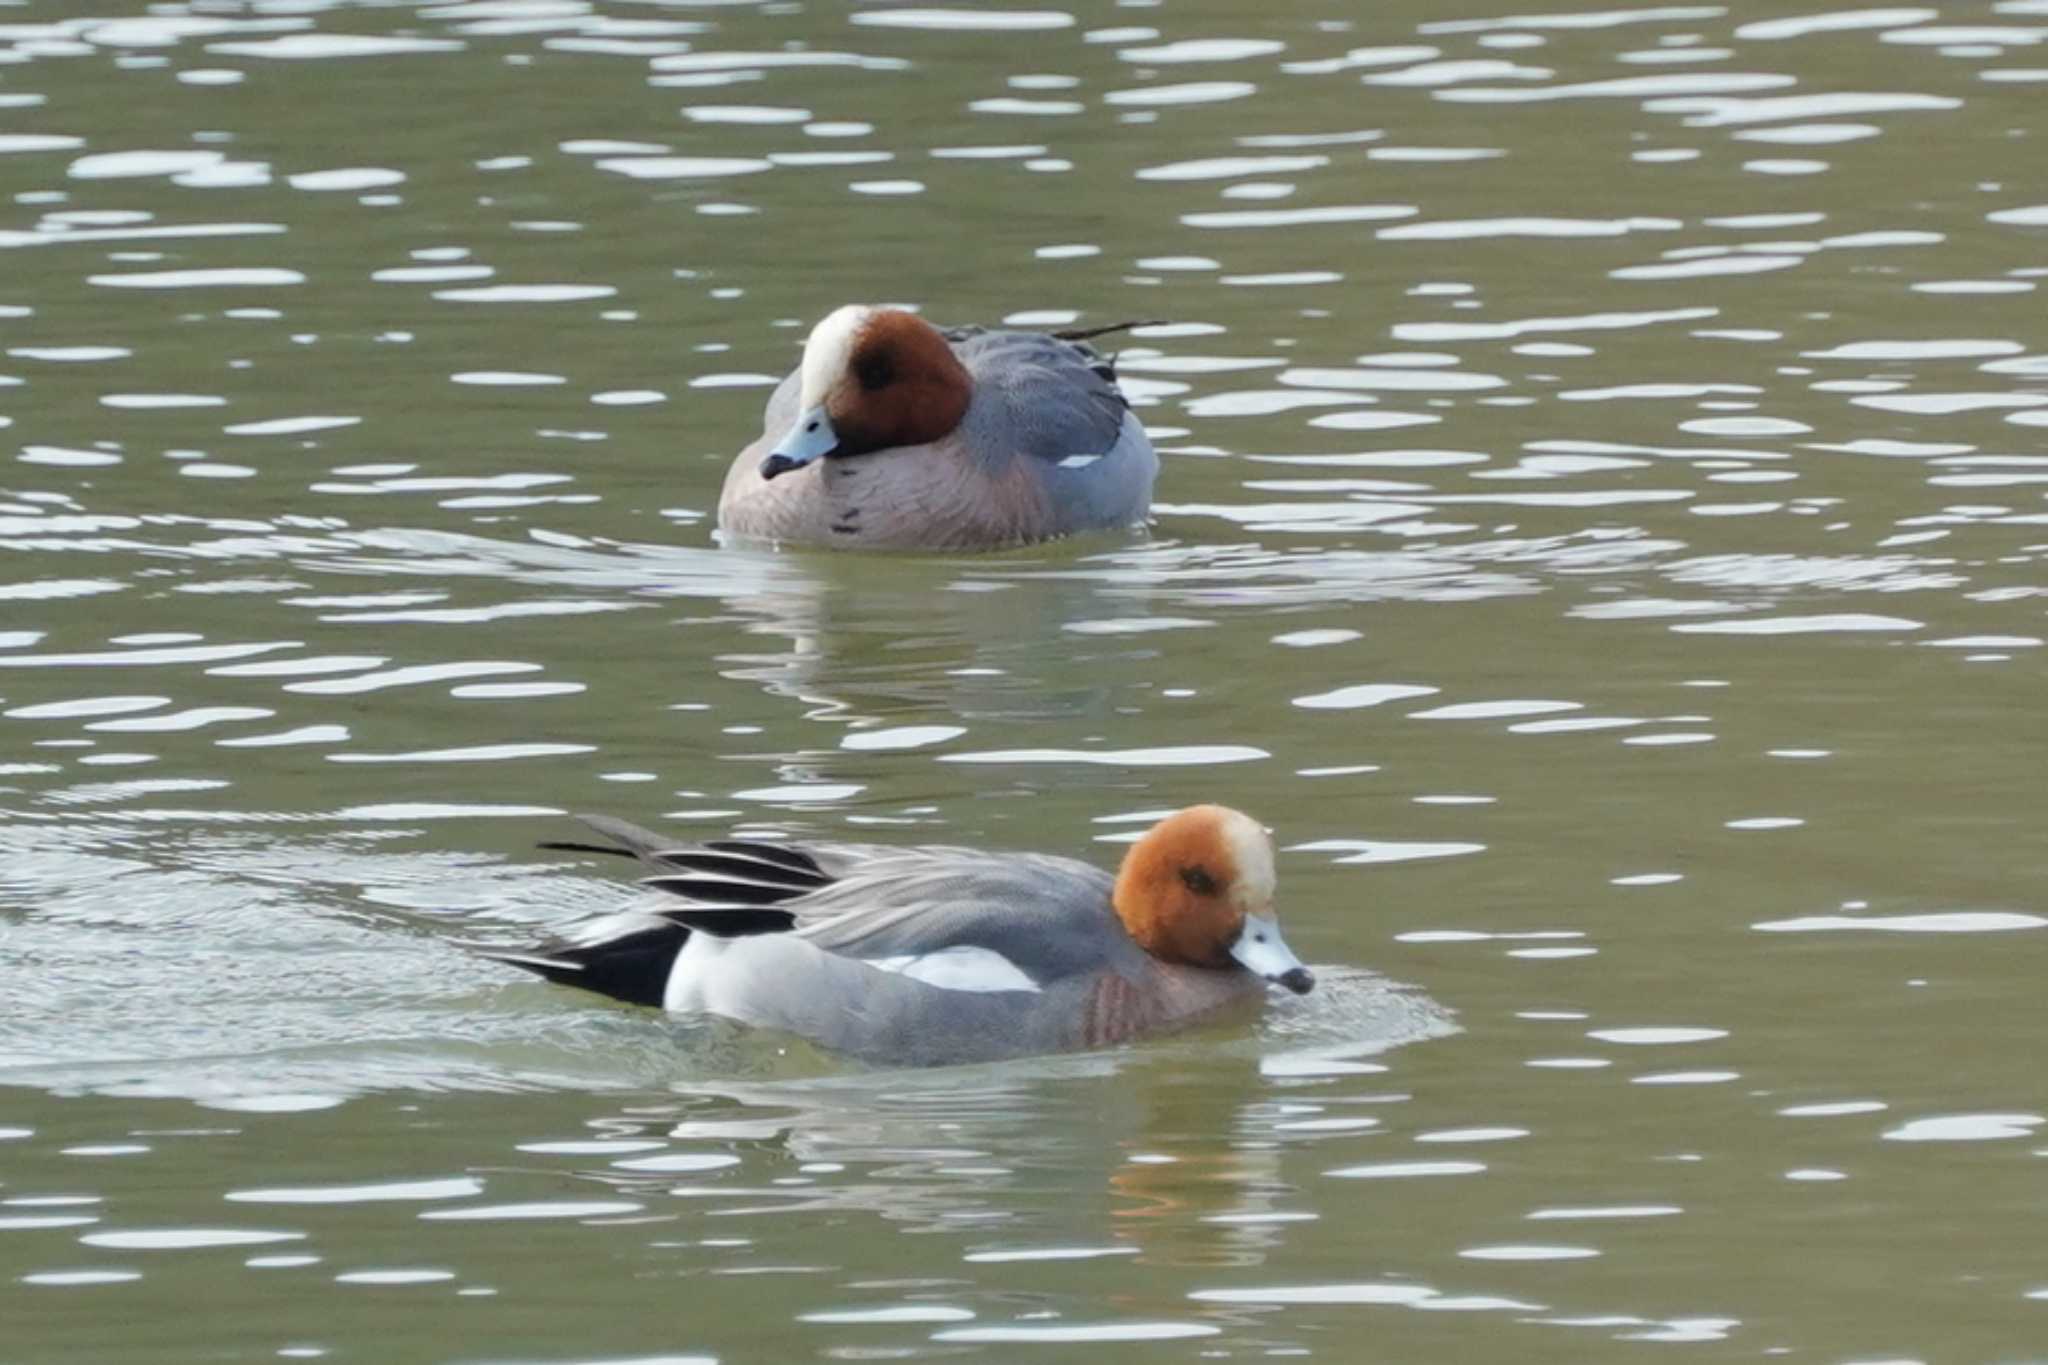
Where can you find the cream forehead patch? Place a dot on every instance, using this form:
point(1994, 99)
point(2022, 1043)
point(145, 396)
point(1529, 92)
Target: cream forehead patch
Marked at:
point(1251, 851)
point(828, 351)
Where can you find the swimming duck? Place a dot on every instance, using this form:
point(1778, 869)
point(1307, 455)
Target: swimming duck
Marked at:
point(892, 434)
point(932, 955)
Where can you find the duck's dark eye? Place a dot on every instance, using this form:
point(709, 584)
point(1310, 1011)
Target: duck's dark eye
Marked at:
point(874, 369)
point(1198, 880)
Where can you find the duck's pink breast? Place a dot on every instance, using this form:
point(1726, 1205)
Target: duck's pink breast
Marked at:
point(928, 497)
point(1167, 998)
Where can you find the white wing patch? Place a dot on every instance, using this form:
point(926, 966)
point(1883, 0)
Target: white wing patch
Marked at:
point(1078, 461)
point(959, 969)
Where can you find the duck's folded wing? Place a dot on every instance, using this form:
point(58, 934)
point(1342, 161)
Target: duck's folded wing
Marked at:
point(1058, 399)
point(1046, 917)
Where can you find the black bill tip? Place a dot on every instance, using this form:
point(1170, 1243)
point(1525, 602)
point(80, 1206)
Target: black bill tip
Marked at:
point(776, 465)
point(1300, 980)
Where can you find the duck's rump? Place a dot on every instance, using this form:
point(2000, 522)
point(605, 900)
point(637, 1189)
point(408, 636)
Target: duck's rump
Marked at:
point(734, 887)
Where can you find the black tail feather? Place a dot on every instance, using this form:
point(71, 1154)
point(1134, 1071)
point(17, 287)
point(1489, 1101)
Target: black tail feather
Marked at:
point(571, 846)
point(1089, 333)
point(634, 968)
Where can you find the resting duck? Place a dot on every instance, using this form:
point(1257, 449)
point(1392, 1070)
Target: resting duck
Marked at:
point(926, 956)
point(894, 435)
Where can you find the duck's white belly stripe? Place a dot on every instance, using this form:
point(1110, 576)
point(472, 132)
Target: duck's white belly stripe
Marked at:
point(959, 969)
point(745, 978)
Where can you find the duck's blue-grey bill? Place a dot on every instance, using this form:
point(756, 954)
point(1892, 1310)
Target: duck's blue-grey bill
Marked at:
point(811, 438)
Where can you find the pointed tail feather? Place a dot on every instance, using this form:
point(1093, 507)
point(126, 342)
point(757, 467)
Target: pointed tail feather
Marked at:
point(641, 843)
point(1089, 333)
point(633, 967)
point(574, 846)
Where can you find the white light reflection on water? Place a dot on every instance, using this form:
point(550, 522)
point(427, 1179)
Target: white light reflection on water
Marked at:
point(1967, 1128)
point(1721, 315)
